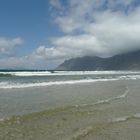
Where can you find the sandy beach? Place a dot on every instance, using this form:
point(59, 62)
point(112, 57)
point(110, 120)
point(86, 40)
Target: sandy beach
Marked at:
point(85, 111)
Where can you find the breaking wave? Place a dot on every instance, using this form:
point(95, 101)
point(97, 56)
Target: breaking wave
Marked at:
point(14, 84)
point(10, 85)
point(49, 73)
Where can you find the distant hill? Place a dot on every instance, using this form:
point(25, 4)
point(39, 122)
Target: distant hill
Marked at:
point(127, 61)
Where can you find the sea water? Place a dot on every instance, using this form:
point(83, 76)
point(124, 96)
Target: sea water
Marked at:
point(69, 105)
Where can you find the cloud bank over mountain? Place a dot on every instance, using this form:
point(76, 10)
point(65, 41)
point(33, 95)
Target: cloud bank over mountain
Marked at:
point(102, 28)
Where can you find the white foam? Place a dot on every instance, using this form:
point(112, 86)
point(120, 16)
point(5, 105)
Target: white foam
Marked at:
point(121, 119)
point(48, 73)
point(5, 85)
point(105, 100)
point(125, 118)
point(129, 77)
point(10, 85)
point(26, 73)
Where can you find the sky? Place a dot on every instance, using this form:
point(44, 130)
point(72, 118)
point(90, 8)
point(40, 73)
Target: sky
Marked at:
point(41, 34)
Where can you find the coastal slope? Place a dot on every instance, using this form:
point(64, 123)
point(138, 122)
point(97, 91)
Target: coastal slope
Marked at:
point(126, 61)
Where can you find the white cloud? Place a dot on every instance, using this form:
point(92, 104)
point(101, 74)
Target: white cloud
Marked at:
point(75, 46)
point(7, 45)
point(101, 28)
point(56, 4)
point(81, 12)
point(40, 58)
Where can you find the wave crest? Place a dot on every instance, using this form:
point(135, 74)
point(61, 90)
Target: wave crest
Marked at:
point(11, 85)
point(48, 73)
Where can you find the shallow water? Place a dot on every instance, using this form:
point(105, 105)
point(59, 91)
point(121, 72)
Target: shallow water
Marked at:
point(105, 106)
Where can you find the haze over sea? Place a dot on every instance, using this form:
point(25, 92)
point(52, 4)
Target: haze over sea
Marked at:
point(69, 105)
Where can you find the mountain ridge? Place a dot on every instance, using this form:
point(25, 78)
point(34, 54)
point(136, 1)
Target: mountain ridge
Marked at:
point(125, 61)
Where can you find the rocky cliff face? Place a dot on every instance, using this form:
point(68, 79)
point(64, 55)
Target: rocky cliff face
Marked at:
point(127, 61)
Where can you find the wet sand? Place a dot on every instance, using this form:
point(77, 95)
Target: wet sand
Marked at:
point(99, 111)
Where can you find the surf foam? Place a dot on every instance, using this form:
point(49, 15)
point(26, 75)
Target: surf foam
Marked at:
point(11, 85)
point(126, 118)
point(106, 100)
point(49, 73)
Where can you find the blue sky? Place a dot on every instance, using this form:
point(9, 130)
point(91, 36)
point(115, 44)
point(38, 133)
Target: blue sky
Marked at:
point(41, 34)
point(29, 19)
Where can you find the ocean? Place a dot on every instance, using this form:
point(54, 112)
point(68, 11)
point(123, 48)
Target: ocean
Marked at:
point(69, 105)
